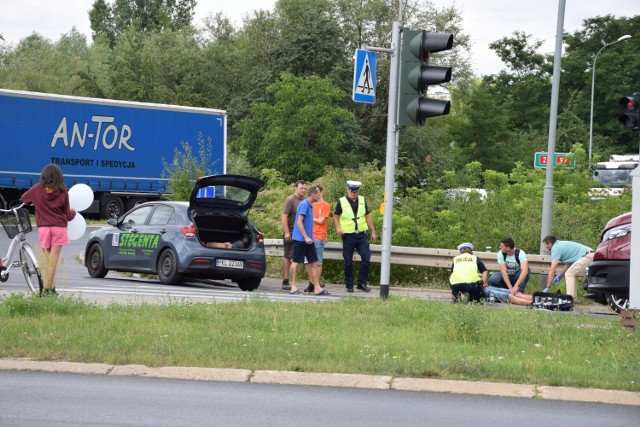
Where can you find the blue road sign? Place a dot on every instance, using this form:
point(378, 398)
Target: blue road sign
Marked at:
point(364, 77)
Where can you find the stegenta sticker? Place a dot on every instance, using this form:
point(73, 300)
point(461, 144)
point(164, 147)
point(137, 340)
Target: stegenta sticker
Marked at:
point(135, 241)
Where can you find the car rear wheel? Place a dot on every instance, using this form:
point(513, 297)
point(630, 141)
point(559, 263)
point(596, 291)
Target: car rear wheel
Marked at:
point(95, 262)
point(168, 268)
point(249, 284)
point(617, 303)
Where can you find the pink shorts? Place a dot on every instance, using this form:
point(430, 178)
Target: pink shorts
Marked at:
point(52, 236)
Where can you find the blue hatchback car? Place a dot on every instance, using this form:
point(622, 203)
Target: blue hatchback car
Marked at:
point(208, 237)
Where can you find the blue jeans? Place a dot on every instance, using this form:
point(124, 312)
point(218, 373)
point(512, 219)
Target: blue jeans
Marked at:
point(500, 294)
point(358, 242)
point(496, 280)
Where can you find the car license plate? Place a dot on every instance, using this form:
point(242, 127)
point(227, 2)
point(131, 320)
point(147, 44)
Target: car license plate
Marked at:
point(228, 263)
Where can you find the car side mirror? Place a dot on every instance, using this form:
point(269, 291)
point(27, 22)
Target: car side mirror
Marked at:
point(113, 221)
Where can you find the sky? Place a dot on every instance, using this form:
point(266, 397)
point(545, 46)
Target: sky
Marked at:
point(484, 20)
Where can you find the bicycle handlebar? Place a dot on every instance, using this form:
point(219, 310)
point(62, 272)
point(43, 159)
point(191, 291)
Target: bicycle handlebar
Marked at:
point(23, 204)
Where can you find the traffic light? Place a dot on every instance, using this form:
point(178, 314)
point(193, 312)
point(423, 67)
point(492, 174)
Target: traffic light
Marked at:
point(631, 111)
point(416, 75)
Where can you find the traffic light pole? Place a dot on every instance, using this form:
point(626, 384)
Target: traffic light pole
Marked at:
point(390, 162)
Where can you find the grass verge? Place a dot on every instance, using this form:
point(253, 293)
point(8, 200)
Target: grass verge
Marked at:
point(398, 337)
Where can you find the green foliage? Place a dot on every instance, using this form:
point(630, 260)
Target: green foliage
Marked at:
point(112, 20)
point(303, 121)
point(303, 129)
point(186, 167)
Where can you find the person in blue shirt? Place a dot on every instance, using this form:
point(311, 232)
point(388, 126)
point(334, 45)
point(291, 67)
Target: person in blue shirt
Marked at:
point(514, 268)
point(575, 258)
point(303, 246)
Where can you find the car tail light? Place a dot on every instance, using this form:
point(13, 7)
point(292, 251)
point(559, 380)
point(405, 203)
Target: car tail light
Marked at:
point(599, 255)
point(188, 231)
point(616, 232)
point(260, 238)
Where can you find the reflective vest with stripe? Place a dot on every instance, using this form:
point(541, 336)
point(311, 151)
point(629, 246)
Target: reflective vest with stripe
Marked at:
point(348, 220)
point(465, 269)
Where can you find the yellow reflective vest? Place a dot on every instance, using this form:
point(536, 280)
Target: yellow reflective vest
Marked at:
point(465, 269)
point(348, 221)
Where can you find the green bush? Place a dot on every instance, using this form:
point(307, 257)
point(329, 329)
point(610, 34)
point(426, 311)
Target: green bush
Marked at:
point(425, 217)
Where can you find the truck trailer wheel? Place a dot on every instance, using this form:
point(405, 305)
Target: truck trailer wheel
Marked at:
point(133, 202)
point(111, 206)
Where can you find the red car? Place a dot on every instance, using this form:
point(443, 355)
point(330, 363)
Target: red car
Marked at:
point(608, 275)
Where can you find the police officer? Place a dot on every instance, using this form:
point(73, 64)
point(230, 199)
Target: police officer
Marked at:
point(352, 219)
point(469, 274)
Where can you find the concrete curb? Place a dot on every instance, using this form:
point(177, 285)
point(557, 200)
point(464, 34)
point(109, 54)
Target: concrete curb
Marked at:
point(377, 382)
point(465, 387)
point(323, 380)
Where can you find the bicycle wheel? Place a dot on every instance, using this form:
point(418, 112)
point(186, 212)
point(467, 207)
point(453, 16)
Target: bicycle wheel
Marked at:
point(29, 265)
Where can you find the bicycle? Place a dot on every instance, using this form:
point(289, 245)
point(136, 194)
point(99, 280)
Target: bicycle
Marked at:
point(17, 223)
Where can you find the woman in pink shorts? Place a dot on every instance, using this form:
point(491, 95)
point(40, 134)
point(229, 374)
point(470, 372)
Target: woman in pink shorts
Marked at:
point(51, 201)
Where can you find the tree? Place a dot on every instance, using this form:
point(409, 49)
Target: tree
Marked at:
point(617, 74)
point(310, 41)
point(301, 130)
point(37, 64)
point(523, 89)
point(112, 21)
point(186, 167)
point(481, 129)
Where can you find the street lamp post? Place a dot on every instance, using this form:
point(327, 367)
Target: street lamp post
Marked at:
point(593, 83)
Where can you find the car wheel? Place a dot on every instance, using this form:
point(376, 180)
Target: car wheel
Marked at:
point(95, 262)
point(168, 268)
point(617, 303)
point(249, 284)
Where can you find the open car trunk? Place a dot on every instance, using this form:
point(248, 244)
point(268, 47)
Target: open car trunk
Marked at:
point(216, 230)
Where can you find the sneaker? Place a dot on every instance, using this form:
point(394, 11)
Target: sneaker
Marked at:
point(285, 285)
point(49, 292)
point(310, 289)
point(350, 289)
point(364, 288)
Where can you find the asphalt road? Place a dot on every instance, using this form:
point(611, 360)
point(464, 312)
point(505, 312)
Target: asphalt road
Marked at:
point(61, 399)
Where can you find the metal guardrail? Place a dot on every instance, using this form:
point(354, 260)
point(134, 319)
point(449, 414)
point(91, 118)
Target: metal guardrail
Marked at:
point(425, 257)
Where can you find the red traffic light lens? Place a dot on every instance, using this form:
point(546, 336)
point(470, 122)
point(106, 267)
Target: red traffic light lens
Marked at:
point(629, 103)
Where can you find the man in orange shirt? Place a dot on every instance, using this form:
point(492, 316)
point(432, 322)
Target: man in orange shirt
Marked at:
point(321, 213)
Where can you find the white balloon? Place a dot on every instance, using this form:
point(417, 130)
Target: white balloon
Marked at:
point(80, 197)
point(76, 227)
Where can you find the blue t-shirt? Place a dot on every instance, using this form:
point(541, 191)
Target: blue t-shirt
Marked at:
point(567, 252)
point(304, 208)
point(510, 261)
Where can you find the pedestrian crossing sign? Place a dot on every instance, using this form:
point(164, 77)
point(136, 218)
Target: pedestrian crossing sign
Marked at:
point(364, 77)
